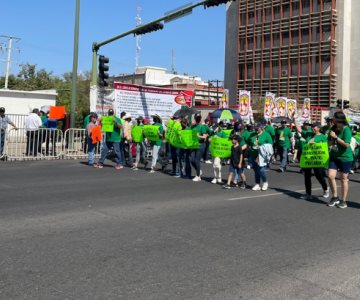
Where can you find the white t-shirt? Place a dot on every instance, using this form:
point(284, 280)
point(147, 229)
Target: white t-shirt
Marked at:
point(32, 122)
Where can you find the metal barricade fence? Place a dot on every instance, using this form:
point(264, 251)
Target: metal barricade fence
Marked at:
point(18, 120)
point(75, 144)
point(39, 144)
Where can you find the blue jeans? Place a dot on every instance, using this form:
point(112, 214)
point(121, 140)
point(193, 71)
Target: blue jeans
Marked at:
point(283, 152)
point(196, 155)
point(140, 153)
point(260, 173)
point(91, 151)
point(2, 141)
point(106, 146)
point(184, 156)
point(174, 159)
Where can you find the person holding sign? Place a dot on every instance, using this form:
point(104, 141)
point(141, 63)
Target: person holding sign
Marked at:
point(283, 137)
point(341, 158)
point(315, 138)
point(156, 142)
point(127, 140)
point(112, 140)
point(138, 138)
point(235, 160)
point(259, 158)
point(196, 154)
point(219, 133)
point(91, 146)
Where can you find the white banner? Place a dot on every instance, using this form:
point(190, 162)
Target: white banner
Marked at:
point(306, 109)
point(146, 101)
point(245, 105)
point(269, 105)
point(224, 101)
point(281, 106)
point(291, 108)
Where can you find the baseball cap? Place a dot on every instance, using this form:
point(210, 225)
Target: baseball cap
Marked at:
point(2, 109)
point(110, 112)
point(316, 124)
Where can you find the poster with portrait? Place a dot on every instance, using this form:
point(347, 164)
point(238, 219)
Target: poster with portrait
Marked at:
point(244, 104)
point(268, 105)
point(224, 101)
point(291, 108)
point(306, 109)
point(281, 106)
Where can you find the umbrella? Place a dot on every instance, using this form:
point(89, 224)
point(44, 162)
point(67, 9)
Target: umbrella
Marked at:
point(185, 111)
point(225, 114)
point(278, 120)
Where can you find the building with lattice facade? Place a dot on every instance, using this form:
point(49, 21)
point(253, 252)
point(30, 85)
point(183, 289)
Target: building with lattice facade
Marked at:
point(297, 48)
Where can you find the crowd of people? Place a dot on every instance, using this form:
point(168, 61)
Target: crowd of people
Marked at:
point(254, 146)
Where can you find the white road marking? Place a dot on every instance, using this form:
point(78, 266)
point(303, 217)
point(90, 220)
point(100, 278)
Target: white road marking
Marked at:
point(273, 194)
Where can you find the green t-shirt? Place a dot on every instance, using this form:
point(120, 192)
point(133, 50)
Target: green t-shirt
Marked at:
point(86, 121)
point(245, 135)
point(161, 130)
point(325, 130)
point(305, 136)
point(284, 136)
point(221, 134)
point(270, 130)
point(43, 121)
point(114, 136)
point(258, 140)
point(338, 151)
point(201, 130)
point(357, 149)
point(320, 138)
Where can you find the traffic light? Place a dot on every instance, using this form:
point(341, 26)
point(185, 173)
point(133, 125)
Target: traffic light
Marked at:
point(211, 3)
point(346, 104)
point(103, 68)
point(149, 28)
point(343, 104)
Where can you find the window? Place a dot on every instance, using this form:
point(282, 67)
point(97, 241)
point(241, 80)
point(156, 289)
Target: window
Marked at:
point(304, 66)
point(294, 66)
point(305, 35)
point(242, 44)
point(294, 37)
point(277, 12)
point(250, 43)
point(268, 14)
point(266, 66)
point(305, 7)
point(285, 38)
point(275, 69)
point(259, 16)
point(286, 10)
point(249, 71)
point(251, 17)
point(295, 8)
point(267, 41)
point(276, 39)
point(242, 72)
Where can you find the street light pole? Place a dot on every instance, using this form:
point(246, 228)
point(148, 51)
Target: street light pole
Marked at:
point(75, 65)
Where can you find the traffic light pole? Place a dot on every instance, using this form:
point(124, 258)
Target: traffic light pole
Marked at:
point(166, 18)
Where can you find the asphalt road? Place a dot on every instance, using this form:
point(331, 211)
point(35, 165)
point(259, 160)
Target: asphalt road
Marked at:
point(69, 231)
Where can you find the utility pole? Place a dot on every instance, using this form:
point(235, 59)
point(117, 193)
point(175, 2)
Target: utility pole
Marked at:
point(75, 65)
point(138, 37)
point(173, 61)
point(8, 61)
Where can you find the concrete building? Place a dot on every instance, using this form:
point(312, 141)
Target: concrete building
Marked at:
point(297, 48)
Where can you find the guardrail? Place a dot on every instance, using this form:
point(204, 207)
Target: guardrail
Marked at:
point(75, 144)
point(39, 144)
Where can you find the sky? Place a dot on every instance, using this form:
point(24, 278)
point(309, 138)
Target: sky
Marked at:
point(46, 29)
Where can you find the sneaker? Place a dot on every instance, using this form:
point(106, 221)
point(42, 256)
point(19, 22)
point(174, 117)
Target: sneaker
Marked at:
point(177, 176)
point(98, 166)
point(281, 170)
point(208, 161)
point(243, 185)
point(135, 168)
point(234, 184)
point(333, 201)
point(219, 180)
point(200, 173)
point(196, 179)
point(256, 187)
point(351, 171)
point(341, 204)
point(326, 193)
point(306, 197)
point(152, 170)
point(248, 167)
point(226, 187)
point(119, 167)
point(214, 181)
point(265, 186)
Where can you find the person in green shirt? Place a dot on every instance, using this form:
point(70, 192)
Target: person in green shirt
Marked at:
point(270, 130)
point(157, 145)
point(196, 154)
point(206, 154)
point(112, 140)
point(341, 158)
point(283, 137)
point(327, 128)
point(255, 141)
point(320, 174)
point(218, 133)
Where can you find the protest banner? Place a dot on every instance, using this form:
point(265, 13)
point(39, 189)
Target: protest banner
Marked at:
point(57, 112)
point(245, 105)
point(151, 132)
point(96, 135)
point(315, 156)
point(169, 129)
point(146, 101)
point(220, 147)
point(137, 134)
point(175, 140)
point(189, 139)
point(281, 106)
point(268, 105)
point(306, 109)
point(107, 124)
point(291, 108)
